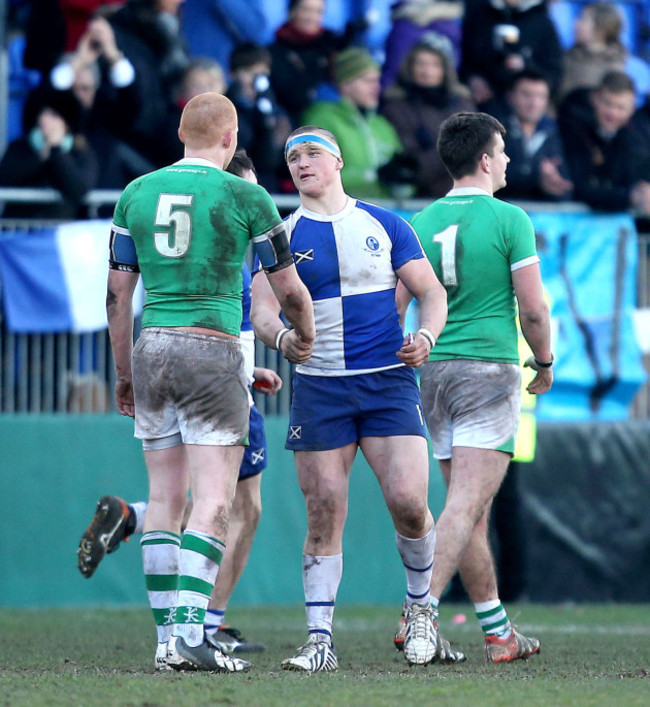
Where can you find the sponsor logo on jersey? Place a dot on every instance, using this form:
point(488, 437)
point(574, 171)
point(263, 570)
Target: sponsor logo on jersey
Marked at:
point(373, 246)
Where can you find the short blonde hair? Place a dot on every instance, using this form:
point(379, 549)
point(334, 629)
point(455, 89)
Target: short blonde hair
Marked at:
point(206, 119)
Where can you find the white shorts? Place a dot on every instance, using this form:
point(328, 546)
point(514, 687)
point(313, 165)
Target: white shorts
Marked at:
point(471, 404)
point(189, 388)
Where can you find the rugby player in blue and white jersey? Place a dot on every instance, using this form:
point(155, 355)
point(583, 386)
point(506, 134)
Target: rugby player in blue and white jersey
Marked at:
point(358, 389)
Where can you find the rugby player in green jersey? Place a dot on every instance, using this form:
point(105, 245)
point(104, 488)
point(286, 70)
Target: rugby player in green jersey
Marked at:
point(483, 252)
point(186, 228)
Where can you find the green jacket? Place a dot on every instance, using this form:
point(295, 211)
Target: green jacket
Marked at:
point(367, 142)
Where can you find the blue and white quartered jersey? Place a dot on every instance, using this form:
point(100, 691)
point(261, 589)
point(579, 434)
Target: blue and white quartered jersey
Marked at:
point(348, 262)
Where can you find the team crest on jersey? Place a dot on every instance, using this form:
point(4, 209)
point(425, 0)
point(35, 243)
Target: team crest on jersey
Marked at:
point(295, 431)
point(304, 255)
point(373, 246)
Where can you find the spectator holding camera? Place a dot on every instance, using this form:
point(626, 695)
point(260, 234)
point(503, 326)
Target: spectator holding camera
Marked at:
point(104, 82)
point(149, 34)
point(537, 168)
point(501, 38)
point(263, 125)
point(426, 94)
point(368, 141)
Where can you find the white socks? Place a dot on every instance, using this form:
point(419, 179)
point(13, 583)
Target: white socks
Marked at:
point(417, 558)
point(321, 576)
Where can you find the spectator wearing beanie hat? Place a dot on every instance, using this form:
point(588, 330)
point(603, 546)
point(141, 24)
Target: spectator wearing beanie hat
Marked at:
point(367, 140)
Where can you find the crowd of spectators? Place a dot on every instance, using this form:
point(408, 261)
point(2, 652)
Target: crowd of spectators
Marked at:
point(113, 75)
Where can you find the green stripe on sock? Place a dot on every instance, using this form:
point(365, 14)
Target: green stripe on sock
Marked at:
point(203, 547)
point(161, 582)
point(189, 615)
point(163, 617)
point(490, 612)
point(492, 626)
point(194, 584)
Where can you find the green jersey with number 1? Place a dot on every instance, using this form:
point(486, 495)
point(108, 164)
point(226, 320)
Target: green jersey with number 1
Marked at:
point(191, 223)
point(474, 242)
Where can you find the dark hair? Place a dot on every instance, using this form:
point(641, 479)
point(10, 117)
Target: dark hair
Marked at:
point(65, 103)
point(529, 75)
point(616, 82)
point(247, 54)
point(464, 138)
point(240, 164)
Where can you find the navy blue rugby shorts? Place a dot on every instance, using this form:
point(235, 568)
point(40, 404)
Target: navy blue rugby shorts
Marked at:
point(328, 412)
point(254, 461)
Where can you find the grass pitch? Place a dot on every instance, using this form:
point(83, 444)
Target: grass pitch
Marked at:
point(591, 655)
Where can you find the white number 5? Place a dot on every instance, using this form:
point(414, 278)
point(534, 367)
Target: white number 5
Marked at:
point(167, 214)
point(447, 240)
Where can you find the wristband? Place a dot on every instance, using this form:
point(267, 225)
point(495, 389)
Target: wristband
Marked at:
point(548, 364)
point(279, 336)
point(428, 336)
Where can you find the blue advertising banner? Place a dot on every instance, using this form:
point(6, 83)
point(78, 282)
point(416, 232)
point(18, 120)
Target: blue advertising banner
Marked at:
point(589, 268)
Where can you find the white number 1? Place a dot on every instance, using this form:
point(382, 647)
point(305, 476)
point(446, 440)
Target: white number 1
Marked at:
point(167, 214)
point(447, 240)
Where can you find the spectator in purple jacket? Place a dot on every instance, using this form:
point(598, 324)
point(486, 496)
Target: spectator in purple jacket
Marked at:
point(410, 21)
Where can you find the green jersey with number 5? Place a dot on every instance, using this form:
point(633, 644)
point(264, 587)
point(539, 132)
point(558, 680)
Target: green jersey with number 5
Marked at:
point(474, 242)
point(191, 223)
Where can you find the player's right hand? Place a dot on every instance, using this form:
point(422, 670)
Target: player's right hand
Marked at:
point(294, 349)
point(124, 398)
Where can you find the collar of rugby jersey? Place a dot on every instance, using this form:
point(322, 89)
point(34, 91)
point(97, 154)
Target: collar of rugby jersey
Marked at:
point(468, 191)
point(329, 218)
point(200, 161)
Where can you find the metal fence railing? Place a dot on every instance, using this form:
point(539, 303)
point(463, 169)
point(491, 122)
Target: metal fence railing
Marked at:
point(66, 372)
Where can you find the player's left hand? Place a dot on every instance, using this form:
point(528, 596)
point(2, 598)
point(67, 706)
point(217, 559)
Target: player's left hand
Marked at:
point(415, 350)
point(266, 381)
point(543, 381)
point(294, 349)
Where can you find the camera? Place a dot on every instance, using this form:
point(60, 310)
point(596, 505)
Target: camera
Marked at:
point(506, 38)
point(261, 83)
point(264, 96)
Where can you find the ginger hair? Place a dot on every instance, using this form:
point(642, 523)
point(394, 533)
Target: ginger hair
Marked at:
point(206, 118)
